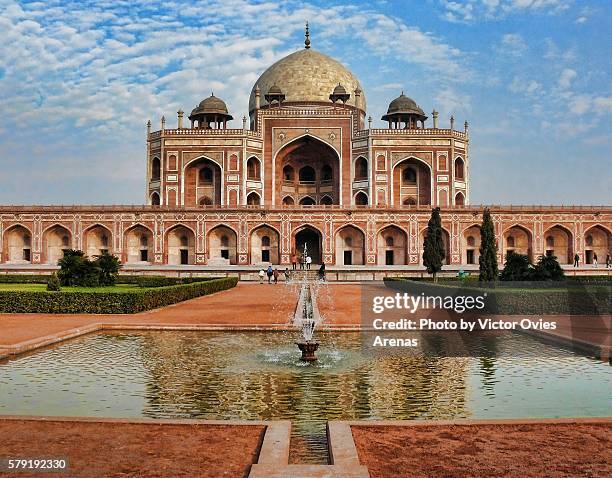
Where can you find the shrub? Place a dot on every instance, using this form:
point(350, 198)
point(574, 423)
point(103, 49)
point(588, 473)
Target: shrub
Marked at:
point(108, 267)
point(548, 269)
point(53, 285)
point(43, 302)
point(77, 270)
point(568, 299)
point(516, 268)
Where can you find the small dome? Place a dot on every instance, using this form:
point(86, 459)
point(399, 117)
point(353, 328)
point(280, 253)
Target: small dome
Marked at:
point(211, 105)
point(275, 90)
point(402, 107)
point(339, 90)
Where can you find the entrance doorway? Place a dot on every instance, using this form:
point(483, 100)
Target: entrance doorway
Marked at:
point(312, 240)
point(470, 256)
point(184, 256)
point(348, 258)
point(389, 258)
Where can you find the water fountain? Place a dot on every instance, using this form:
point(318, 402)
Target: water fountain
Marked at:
point(307, 317)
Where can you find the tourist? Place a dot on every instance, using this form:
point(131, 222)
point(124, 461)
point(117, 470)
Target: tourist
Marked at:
point(270, 273)
point(595, 259)
point(275, 273)
point(287, 274)
point(261, 276)
point(322, 272)
point(293, 261)
point(576, 260)
point(308, 262)
point(608, 261)
point(301, 261)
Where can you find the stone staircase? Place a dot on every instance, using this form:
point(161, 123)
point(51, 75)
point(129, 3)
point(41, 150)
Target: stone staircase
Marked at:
point(300, 275)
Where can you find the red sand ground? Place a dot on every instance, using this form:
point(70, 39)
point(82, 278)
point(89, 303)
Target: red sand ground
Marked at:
point(517, 450)
point(105, 449)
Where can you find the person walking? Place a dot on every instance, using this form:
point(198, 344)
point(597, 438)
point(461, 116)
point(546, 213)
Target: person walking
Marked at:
point(261, 276)
point(608, 261)
point(275, 273)
point(322, 273)
point(294, 261)
point(576, 260)
point(308, 262)
point(595, 259)
point(269, 272)
point(287, 274)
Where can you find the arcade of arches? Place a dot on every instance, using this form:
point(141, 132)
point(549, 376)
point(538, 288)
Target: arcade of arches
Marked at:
point(344, 242)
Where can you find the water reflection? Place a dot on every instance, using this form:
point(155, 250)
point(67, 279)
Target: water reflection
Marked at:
point(254, 375)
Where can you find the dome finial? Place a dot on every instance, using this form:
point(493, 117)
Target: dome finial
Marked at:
point(307, 37)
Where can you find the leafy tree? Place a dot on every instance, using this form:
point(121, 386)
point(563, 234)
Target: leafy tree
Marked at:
point(108, 267)
point(516, 268)
point(73, 267)
point(433, 247)
point(548, 269)
point(78, 270)
point(488, 249)
point(53, 284)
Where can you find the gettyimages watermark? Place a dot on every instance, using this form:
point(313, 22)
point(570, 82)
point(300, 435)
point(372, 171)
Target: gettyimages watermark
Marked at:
point(454, 318)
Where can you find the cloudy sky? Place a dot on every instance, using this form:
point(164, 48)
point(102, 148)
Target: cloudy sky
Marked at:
point(78, 81)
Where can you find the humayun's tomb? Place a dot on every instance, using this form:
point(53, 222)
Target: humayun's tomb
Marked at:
point(306, 167)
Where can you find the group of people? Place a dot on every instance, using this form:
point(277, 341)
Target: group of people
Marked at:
point(595, 263)
point(273, 273)
point(305, 261)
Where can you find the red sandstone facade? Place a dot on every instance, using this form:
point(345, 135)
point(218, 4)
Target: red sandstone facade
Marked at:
point(305, 169)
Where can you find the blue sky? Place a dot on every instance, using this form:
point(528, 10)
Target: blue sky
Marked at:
point(78, 81)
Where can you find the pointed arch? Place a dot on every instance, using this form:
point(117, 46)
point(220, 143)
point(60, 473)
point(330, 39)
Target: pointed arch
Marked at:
point(421, 189)
point(517, 238)
point(559, 241)
point(56, 239)
point(392, 245)
point(222, 245)
point(253, 168)
point(97, 239)
point(361, 199)
point(264, 244)
point(253, 199)
point(179, 245)
point(17, 244)
point(460, 199)
point(361, 169)
point(597, 244)
point(350, 245)
point(138, 246)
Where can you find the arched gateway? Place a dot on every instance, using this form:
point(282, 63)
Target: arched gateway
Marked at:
point(311, 238)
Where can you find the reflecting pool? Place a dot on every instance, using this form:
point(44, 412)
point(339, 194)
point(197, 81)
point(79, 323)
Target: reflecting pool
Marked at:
point(258, 375)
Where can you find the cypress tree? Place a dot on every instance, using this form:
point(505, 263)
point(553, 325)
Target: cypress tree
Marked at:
point(433, 247)
point(488, 249)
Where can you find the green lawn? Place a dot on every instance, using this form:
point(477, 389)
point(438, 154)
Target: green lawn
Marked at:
point(43, 287)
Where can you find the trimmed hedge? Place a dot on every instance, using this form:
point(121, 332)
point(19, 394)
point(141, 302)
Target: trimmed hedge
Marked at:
point(142, 281)
point(43, 302)
point(566, 298)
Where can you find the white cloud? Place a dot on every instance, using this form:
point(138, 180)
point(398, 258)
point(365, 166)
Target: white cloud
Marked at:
point(566, 77)
point(472, 10)
point(512, 44)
